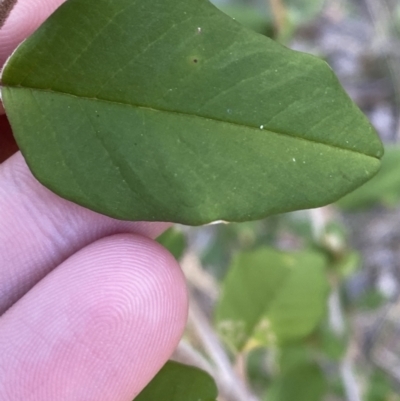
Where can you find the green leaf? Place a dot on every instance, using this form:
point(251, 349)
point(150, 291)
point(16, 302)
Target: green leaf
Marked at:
point(169, 110)
point(174, 240)
point(271, 297)
point(379, 388)
point(305, 383)
point(294, 356)
point(370, 300)
point(177, 382)
point(384, 188)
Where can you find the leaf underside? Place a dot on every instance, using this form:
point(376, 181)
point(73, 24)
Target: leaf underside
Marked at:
point(270, 297)
point(172, 111)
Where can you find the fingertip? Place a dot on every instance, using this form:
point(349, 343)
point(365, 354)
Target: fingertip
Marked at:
point(98, 327)
point(39, 229)
point(146, 270)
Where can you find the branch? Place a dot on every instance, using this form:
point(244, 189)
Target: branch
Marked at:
point(349, 380)
point(230, 384)
point(280, 15)
point(319, 219)
point(188, 355)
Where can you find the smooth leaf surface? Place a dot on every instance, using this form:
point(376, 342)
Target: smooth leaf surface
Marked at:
point(178, 382)
point(170, 110)
point(271, 297)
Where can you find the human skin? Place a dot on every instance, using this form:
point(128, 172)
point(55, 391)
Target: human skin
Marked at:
point(90, 307)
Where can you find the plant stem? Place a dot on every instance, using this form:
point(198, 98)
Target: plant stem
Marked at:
point(381, 16)
point(280, 15)
point(336, 319)
point(319, 220)
point(230, 383)
point(349, 380)
point(186, 354)
point(346, 368)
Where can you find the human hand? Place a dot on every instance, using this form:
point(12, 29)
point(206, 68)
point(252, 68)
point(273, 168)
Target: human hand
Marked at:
point(91, 307)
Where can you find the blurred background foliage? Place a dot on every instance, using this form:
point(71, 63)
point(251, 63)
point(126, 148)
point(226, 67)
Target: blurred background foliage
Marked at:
point(304, 306)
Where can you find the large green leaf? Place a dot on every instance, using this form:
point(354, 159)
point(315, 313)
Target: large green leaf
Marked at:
point(272, 297)
point(177, 382)
point(171, 110)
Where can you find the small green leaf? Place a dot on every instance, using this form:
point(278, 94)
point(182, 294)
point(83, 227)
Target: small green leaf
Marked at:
point(293, 356)
point(304, 383)
point(174, 240)
point(379, 388)
point(370, 300)
point(271, 297)
point(169, 110)
point(177, 382)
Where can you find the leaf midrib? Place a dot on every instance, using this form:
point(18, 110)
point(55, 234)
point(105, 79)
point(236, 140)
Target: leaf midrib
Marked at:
point(114, 102)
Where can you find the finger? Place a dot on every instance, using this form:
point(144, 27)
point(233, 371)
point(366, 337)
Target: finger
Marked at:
point(39, 230)
point(97, 328)
point(24, 19)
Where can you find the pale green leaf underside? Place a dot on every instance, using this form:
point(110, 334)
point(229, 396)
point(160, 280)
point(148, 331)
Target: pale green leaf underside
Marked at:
point(271, 297)
point(152, 111)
